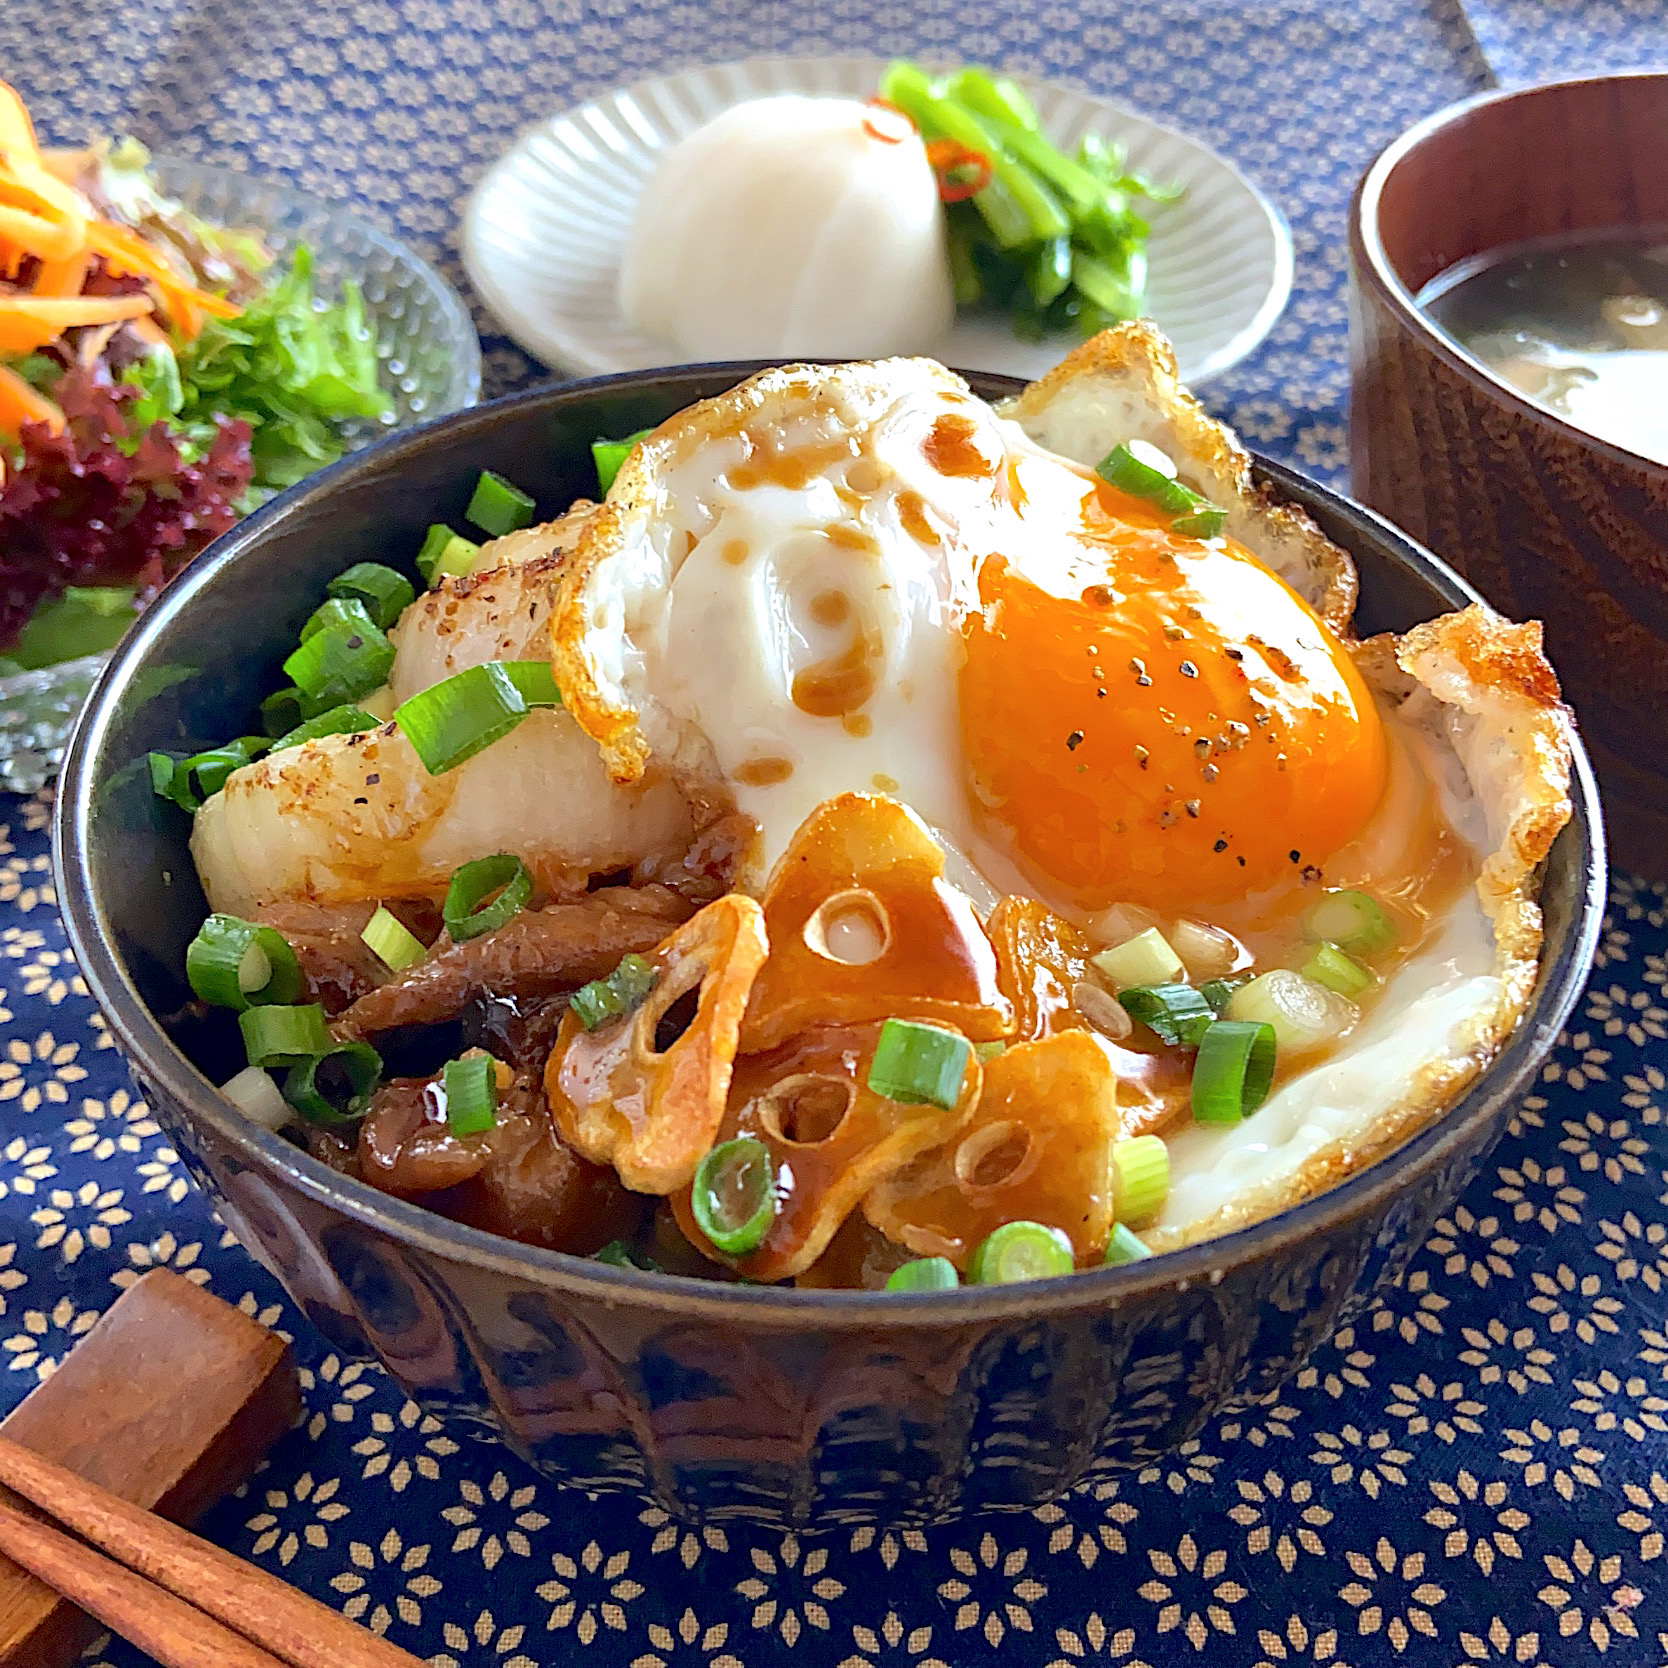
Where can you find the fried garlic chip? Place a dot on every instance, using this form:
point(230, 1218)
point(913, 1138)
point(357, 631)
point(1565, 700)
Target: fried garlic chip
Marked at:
point(647, 1093)
point(1042, 963)
point(831, 1139)
point(863, 925)
point(1040, 958)
point(1037, 1149)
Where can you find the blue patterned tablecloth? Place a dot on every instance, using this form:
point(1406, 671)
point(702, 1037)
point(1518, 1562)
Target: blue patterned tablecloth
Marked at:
point(1477, 1472)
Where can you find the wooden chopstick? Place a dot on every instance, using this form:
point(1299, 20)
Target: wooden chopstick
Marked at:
point(175, 1633)
point(296, 1630)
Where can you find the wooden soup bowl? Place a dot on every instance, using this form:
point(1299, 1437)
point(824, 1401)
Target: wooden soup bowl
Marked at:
point(1545, 520)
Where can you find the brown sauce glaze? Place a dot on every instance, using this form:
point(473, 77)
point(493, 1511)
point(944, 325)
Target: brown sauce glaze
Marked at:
point(766, 463)
point(952, 447)
point(830, 608)
point(844, 682)
point(763, 773)
point(846, 536)
point(916, 519)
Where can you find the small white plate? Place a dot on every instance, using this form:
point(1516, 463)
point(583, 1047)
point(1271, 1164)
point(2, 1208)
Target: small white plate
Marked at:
point(544, 229)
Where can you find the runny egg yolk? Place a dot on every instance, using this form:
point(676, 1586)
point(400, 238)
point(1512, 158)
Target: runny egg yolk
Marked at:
point(1153, 719)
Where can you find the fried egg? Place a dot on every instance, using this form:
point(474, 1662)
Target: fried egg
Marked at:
point(863, 578)
point(872, 581)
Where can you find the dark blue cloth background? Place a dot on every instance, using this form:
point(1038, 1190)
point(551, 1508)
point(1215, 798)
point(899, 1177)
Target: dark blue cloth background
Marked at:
point(1477, 1472)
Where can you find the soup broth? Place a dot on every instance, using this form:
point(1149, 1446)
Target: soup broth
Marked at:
point(1578, 324)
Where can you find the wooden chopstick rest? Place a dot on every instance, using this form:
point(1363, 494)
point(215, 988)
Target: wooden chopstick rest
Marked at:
point(288, 1623)
point(170, 1401)
point(177, 1635)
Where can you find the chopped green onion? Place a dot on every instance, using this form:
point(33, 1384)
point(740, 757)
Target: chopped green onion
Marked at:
point(1204, 523)
point(1143, 471)
point(1140, 1176)
point(920, 1065)
point(233, 963)
point(620, 993)
point(453, 720)
point(633, 979)
point(484, 895)
point(733, 1197)
point(1232, 1071)
point(1329, 966)
point(391, 942)
point(203, 775)
point(338, 611)
point(342, 661)
point(1176, 1013)
point(925, 1274)
point(162, 774)
point(334, 1087)
point(258, 1098)
point(535, 679)
point(1352, 920)
point(385, 593)
point(617, 1254)
point(608, 455)
point(1145, 959)
point(346, 720)
point(1219, 992)
point(497, 507)
point(1304, 1015)
point(434, 543)
point(987, 1051)
point(445, 554)
point(471, 1087)
point(281, 711)
point(284, 1036)
point(1124, 1247)
point(595, 1004)
point(1021, 1251)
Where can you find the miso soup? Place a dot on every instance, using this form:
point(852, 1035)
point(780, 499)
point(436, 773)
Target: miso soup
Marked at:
point(1578, 324)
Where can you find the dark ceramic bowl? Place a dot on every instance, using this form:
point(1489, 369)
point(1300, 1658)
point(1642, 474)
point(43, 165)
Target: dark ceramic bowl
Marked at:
point(796, 1408)
point(1548, 522)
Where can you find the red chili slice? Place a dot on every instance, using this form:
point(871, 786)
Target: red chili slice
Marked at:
point(888, 124)
point(962, 172)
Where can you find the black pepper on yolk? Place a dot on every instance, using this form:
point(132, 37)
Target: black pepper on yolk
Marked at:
point(1152, 719)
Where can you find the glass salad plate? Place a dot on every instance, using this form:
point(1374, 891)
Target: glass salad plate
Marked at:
point(544, 230)
point(431, 365)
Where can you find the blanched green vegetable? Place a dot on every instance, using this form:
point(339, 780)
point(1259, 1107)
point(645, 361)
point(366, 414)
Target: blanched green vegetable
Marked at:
point(1048, 238)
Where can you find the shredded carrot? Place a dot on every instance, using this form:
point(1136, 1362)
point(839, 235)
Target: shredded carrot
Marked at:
point(20, 404)
point(45, 217)
point(49, 239)
point(29, 323)
point(63, 278)
point(126, 251)
point(18, 146)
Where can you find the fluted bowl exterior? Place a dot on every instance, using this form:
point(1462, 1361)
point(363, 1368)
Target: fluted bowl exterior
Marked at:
point(803, 1409)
